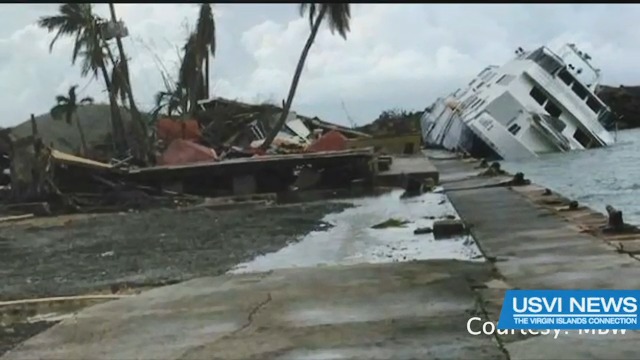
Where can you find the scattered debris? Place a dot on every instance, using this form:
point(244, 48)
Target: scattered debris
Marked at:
point(424, 230)
point(448, 228)
point(390, 223)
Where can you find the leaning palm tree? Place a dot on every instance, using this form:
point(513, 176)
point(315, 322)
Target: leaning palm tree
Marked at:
point(67, 108)
point(77, 20)
point(338, 16)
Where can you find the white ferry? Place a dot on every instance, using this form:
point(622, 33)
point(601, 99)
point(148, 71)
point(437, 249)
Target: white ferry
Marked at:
point(539, 102)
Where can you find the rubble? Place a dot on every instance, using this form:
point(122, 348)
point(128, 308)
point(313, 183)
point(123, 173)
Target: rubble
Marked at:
point(448, 228)
point(215, 154)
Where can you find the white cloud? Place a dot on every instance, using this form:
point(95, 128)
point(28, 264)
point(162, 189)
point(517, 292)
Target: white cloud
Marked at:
point(396, 55)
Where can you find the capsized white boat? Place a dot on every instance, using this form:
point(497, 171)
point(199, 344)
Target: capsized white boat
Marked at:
point(539, 102)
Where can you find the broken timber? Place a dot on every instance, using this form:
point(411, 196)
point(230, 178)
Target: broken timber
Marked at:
point(271, 173)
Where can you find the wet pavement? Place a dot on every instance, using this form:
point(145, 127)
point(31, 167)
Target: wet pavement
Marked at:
point(352, 240)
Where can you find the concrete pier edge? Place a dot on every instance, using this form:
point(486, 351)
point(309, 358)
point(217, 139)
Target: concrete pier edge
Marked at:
point(535, 241)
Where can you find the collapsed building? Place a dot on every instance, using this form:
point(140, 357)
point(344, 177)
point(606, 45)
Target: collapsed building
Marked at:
point(217, 154)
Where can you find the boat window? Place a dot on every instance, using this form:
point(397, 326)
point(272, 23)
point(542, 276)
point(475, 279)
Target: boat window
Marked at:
point(606, 118)
point(538, 95)
point(557, 123)
point(505, 79)
point(468, 102)
point(477, 104)
point(514, 129)
point(580, 90)
point(480, 84)
point(582, 138)
point(565, 76)
point(553, 109)
point(594, 104)
point(546, 61)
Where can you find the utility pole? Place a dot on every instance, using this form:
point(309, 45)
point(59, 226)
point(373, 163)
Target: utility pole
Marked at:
point(138, 125)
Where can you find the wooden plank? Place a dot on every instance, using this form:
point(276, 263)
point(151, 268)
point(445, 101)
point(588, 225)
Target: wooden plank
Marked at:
point(62, 298)
point(16, 217)
point(263, 159)
point(235, 167)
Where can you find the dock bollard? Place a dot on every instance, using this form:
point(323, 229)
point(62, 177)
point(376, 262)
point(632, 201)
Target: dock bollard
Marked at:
point(615, 218)
point(519, 180)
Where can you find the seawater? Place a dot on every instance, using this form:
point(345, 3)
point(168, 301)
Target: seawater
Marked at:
point(596, 177)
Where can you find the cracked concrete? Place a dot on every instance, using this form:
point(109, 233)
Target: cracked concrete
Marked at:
point(373, 311)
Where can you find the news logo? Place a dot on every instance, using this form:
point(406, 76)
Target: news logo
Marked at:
point(570, 310)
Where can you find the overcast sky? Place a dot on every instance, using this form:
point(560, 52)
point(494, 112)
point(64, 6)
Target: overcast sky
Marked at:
point(396, 56)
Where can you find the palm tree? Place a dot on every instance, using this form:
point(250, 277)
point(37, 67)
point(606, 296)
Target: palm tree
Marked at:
point(197, 48)
point(206, 40)
point(67, 108)
point(78, 20)
point(170, 101)
point(338, 16)
point(190, 75)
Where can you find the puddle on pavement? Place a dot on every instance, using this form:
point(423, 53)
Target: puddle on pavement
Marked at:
point(351, 240)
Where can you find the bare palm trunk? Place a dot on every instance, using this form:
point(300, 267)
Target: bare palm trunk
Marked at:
point(83, 140)
point(139, 126)
point(195, 86)
point(294, 83)
point(206, 78)
point(123, 95)
point(117, 127)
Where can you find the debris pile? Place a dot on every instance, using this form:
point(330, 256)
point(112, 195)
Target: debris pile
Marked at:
point(218, 153)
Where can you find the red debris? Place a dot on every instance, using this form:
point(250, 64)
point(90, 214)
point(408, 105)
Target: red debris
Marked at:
point(169, 130)
point(182, 152)
point(331, 141)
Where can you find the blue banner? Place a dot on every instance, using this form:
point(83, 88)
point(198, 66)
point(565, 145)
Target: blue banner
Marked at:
point(570, 310)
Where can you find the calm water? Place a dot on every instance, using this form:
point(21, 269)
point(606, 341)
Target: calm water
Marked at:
point(595, 177)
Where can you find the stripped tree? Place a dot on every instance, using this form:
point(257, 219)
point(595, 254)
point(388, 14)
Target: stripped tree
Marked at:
point(338, 17)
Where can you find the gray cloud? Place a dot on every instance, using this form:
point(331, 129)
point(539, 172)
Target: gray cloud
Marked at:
point(397, 55)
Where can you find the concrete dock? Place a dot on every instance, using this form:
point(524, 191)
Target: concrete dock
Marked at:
point(401, 310)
